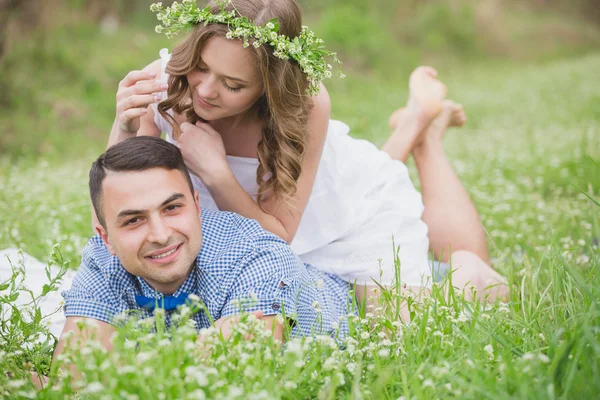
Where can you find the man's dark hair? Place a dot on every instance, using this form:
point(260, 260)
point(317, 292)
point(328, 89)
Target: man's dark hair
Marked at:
point(135, 154)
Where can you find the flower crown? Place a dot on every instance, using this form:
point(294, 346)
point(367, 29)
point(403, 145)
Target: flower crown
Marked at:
point(306, 49)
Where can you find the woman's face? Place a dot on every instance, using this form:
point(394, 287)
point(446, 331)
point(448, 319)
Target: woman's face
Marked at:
point(226, 82)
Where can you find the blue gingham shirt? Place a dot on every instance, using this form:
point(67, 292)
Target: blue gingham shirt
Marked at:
point(238, 261)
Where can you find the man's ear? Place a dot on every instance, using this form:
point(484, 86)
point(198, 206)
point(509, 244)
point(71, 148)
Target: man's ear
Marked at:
point(197, 199)
point(104, 235)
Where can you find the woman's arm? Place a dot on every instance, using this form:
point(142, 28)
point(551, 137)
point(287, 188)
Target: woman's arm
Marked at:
point(281, 218)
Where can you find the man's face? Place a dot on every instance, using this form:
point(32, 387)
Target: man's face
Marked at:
point(152, 224)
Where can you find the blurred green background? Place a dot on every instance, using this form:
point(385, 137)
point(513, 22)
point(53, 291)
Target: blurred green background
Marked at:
point(61, 60)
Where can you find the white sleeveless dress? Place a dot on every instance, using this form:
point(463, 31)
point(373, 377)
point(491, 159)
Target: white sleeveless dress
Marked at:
point(362, 204)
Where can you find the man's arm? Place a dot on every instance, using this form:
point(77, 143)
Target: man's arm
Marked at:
point(84, 329)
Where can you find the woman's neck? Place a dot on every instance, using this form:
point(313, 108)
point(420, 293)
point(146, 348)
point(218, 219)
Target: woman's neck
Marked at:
point(243, 121)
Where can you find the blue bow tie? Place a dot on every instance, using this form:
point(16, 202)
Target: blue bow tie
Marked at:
point(166, 302)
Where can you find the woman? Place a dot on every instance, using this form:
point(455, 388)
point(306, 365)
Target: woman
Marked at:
point(258, 145)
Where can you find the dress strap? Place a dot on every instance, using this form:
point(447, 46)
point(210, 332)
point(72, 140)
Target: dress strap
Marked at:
point(160, 122)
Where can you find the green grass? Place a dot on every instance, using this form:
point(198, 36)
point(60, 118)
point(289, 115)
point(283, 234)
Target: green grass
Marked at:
point(529, 146)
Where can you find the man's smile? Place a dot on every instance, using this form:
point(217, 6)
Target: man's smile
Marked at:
point(166, 255)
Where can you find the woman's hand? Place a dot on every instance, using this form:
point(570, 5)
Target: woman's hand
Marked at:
point(203, 150)
point(136, 92)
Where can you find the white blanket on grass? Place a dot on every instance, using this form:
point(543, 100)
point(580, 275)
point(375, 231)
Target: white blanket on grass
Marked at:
point(35, 279)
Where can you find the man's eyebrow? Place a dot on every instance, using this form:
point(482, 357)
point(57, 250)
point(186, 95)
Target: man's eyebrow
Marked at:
point(175, 196)
point(125, 213)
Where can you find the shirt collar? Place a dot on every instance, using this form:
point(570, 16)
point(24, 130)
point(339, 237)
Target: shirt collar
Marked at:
point(191, 285)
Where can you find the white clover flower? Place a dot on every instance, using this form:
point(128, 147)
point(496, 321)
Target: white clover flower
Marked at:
point(290, 385)
point(428, 383)
point(127, 369)
point(94, 387)
point(490, 350)
point(270, 25)
point(197, 394)
point(144, 356)
point(235, 391)
point(383, 353)
point(365, 335)
point(543, 358)
point(17, 383)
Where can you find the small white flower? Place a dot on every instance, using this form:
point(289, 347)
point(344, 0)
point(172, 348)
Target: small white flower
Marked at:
point(290, 385)
point(197, 394)
point(94, 387)
point(528, 356)
point(490, 350)
point(543, 358)
point(383, 353)
point(16, 383)
point(427, 383)
point(365, 335)
point(194, 297)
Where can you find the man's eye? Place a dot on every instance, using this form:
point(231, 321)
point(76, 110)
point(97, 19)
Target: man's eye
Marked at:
point(132, 221)
point(172, 207)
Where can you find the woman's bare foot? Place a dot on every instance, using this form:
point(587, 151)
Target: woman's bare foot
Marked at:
point(452, 114)
point(425, 102)
point(458, 116)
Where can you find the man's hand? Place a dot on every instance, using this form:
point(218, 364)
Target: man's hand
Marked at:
point(225, 325)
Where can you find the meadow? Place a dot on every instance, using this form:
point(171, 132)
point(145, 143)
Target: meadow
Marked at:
point(529, 156)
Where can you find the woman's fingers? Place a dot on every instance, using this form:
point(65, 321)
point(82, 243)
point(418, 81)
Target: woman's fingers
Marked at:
point(133, 113)
point(141, 87)
point(137, 101)
point(134, 76)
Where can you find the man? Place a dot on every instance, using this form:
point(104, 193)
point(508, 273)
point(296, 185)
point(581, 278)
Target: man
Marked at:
point(155, 247)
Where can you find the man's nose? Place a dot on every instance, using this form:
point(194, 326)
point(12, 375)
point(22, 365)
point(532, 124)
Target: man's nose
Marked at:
point(160, 231)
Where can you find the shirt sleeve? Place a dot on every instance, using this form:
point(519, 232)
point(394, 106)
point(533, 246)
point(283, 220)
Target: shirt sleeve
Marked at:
point(89, 296)
point(265, 282)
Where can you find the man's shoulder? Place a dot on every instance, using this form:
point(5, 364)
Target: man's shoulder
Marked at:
point(232, 243)
point(95, 255)
point(228, 227)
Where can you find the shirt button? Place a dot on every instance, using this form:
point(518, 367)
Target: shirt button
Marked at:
point(275, 306)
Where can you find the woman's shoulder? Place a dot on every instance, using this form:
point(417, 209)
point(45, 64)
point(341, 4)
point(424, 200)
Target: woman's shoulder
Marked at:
point(322, 102)
point(318, 118)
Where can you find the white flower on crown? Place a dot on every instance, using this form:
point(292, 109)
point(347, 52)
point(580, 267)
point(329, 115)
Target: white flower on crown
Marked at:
point(302, 49)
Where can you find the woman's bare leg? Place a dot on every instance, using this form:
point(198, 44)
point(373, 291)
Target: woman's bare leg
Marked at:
point(470, 274)
point(454, 223)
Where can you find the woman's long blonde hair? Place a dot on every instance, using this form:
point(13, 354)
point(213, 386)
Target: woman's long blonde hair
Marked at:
point(283, 107)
